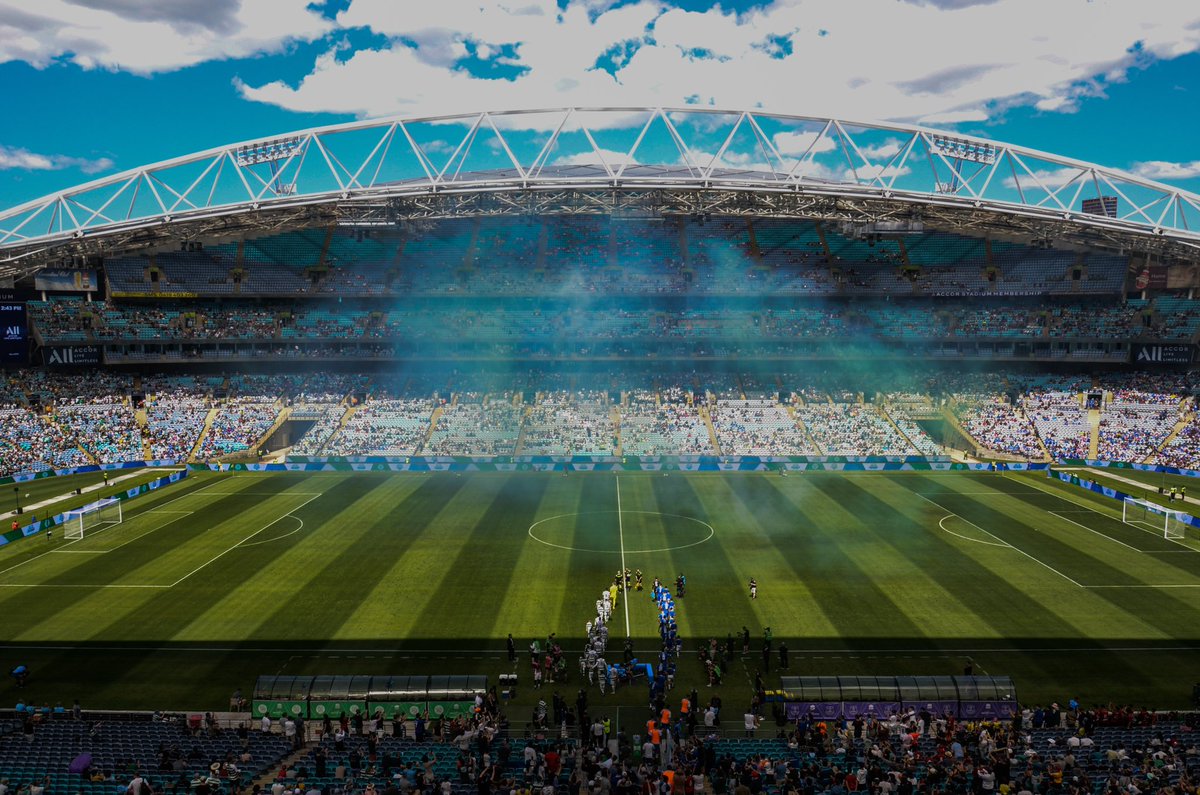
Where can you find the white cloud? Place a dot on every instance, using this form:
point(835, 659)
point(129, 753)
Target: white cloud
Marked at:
point(840, 58)
point(798, 144)
point(866, 174)
point(954, 117)
point(147, 37)
point(882, 151)
point(613, 159)
point(23, 159)
point(1163, 169)
point(1050, 178)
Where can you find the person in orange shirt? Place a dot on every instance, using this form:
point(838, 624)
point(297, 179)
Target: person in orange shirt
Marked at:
point(655, 736)
point(684, 706)
point(665, 717)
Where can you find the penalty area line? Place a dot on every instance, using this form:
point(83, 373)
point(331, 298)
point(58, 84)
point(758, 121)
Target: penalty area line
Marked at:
point(1071, 580)
point(222, 554)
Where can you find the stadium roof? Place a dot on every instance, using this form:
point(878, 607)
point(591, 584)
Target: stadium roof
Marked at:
point(627, 162)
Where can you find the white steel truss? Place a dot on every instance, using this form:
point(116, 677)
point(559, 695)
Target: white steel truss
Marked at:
point(389, 170)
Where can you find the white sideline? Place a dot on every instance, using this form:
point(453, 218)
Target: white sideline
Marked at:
point(621, 532)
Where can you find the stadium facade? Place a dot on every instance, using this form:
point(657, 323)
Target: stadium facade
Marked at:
point(636, 255)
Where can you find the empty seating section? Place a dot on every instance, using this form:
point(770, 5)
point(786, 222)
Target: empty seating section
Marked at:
point(164, 752)
point(1176, 318)
point(569, 424)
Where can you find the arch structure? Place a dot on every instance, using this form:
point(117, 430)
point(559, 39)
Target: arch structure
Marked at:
point(878, 177)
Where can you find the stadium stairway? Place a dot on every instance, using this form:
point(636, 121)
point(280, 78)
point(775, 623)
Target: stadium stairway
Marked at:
point(948, 416)
point(1041, 442)
point(52, 418)
point(139, 416)
point(614, 415)
point(712, 431)
point(887, 415)
point(342, 423)
point(271, 774)
point(518, 449)
point(433, 421)
point(1094, 440)
point(804, 429)
point(208, 421)
point(1185, 417)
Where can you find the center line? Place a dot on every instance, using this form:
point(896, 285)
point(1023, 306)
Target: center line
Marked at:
point(621, 531)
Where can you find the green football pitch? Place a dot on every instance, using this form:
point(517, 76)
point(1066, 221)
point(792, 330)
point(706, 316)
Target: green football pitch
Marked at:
point(209, 583)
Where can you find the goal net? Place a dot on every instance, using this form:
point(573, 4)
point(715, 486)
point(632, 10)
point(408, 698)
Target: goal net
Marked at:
point(90, 518)
point(1143, 513)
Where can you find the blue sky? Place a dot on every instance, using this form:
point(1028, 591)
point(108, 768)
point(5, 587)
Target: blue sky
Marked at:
point(100, 86)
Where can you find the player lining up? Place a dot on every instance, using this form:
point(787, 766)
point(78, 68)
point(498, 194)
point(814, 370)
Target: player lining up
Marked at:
point(753, 588)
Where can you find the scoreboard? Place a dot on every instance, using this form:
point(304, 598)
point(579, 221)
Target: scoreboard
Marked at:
point(14, 334)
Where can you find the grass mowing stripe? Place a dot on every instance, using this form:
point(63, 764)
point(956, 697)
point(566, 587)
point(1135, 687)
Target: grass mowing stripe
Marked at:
point(999, 600)
point(586, 572)
point(708, 561)
point(485, 562)
point(1157, 610)
point(416, 555)
point(539, 569)
point(726, 602)
point(1083, 565)
point(848, 594)
point(349, 561)
point(914, 566)
point(1146, 544)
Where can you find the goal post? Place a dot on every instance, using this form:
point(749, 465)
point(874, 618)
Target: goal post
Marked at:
point(1143, 513)
point(89, 518)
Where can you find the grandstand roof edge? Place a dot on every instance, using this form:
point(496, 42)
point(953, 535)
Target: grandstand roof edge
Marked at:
point(1165, 212)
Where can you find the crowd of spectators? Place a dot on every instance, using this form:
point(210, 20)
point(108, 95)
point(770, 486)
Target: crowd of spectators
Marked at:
point(758, 427)
point(852, 429)
point(1183, 451)
point(490, 427)
point(540, 320)
point(388, 426)
point(1060, 420)
point(996, 425)
point(665, 424)
point(56, 420)
point(563, 423)
point(702, 748)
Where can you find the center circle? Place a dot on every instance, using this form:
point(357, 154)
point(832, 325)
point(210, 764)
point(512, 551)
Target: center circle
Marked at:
point(642, 532)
